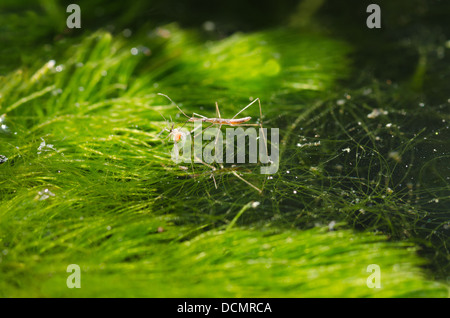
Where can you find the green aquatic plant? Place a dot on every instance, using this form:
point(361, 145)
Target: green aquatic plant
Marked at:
point(88, 180)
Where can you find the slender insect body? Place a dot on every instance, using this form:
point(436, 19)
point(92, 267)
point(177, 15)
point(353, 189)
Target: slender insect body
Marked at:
point(239, 121)
point(221, 121)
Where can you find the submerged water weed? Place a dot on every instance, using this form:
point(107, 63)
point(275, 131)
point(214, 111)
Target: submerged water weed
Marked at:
point(312, 263)
point(121, 207)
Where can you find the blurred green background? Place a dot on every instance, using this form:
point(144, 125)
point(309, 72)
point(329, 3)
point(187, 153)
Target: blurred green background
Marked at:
point(86, 179)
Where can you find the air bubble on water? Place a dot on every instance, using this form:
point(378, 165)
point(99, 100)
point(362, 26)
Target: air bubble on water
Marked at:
point(45, 147)
point(377, 112)
point(331, 225)
point(45, 194)
point(255, 204)
point(309, 144)
point(56, 91)
point(367, 91)
point(209, 26)
point(127, 33)
point(395, 155)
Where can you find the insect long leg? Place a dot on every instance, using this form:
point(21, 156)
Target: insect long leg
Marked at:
point(203, 129)
point(184, 123)
point(220, 121)
point(159, 134)
point(201, 116)
point(261, 126)
point(233, 172)
point(211, 167)
point(165, 128)
point(190, 119)
point(260, 121)
point(257, 99)
point(239, 177)
point(217, 135)
point(262, 132)
point(254, 187)
point(220, 126)
point(217, 110)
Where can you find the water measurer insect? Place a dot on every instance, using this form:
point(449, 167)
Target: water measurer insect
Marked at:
point(223, 121)
point(213, 151)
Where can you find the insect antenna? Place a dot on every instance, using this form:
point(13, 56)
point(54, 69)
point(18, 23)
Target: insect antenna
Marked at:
point(174, 104)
